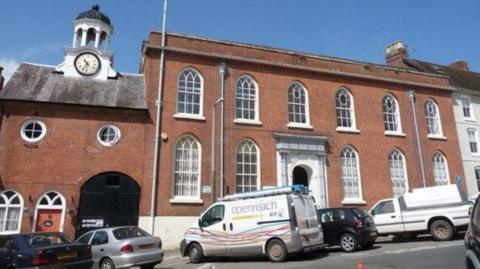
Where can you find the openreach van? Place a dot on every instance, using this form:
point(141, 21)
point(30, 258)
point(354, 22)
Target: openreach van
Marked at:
point(274, 222)
point(441, 211)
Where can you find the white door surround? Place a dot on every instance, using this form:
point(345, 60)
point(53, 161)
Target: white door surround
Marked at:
point(307, 152)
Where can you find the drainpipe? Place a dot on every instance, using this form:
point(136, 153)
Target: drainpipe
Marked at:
point(158, 105)
point(222, 69)
point(411, 95)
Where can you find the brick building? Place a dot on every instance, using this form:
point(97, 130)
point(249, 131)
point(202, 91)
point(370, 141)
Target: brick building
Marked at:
point(76, 147)
point(343, 128)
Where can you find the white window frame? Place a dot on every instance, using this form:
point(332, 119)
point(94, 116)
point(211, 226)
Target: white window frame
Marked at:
point(351, 200)
point(437, 158)
point(391, 161)
point(187, 198)
point(395, 114)
point(33, 140)
point(8, 205)
point(185, 115)
point(350, 109)
point(473, 138)
point(463, 100)
point(50, 205)
point(252, 81)
point(118, 135)
point(435, 118)
point(306, 105)
point(255, 146)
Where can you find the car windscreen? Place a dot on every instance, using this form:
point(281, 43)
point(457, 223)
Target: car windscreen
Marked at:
point(360, 213)
point(45, 240)
point(129, 232)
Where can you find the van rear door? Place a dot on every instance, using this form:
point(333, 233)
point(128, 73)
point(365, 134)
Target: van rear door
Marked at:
point(307, 221)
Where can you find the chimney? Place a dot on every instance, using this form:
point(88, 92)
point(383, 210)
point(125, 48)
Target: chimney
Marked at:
point(395, 53)
point(460, 65)
point(2, 79)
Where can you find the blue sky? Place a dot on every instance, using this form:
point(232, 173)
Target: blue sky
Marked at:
point(440, 31)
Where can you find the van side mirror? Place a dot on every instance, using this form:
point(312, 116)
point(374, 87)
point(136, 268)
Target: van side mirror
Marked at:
point(200, 223)
point(372, 213)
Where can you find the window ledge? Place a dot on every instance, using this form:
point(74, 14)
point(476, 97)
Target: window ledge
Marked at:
point(189, 117)
point(299, 125)
point(470, 119)
point(390, 133)
point(177, 200)
point(347, 130)
point(244, 121)
point(352, 201)
point(437, 137)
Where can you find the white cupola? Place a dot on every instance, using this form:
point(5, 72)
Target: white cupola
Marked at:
point(88, 57)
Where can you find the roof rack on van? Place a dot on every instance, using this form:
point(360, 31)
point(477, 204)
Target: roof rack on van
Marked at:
point(267, 192)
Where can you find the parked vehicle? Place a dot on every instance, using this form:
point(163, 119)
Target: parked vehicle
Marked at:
point(441, 211)
point(123, 247)
point(472, 238)
point(274, 222)
point(349, 227)
point(43, 250)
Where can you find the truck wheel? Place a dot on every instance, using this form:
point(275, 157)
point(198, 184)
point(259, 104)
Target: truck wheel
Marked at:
point(276, 251)
point(348, 242)
point(195, 253)
point(441, 230)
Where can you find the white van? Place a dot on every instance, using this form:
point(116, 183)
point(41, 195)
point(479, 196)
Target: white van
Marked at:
point(274, 222)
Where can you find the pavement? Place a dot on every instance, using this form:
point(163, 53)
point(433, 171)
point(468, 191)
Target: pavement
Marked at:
point(387, 253)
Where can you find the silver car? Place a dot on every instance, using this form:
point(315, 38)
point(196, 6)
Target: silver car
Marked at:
point(123, 247)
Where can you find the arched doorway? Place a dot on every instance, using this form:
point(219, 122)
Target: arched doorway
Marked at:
point(300, 176)
point(108, 200)
point(50, 212)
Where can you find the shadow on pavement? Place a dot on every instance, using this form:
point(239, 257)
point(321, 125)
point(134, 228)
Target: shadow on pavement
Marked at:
point(420, 238)
point(291, 258)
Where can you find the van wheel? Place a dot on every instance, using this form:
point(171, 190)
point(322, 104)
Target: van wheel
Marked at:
point(276, 251)
point(441, 230)
point(348, 242)
point(195, 253)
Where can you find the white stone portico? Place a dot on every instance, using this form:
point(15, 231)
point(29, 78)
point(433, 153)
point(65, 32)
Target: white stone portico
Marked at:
point(307, 152)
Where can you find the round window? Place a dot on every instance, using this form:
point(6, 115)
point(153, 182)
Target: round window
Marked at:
point(33, 130)
point(108, 135)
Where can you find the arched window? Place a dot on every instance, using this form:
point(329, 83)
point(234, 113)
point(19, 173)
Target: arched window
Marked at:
point(11, 206)
point(189, 93)
point(440, 169)
point(246, 98)
point(298, 112)
point(391, 114)
point(248, 163)
point(345, 109)
point(398, 173)
point(50, 212)
point(91, 35)
point(432, 115)
point(473, 140)
point(78, 38)
point(350, 174)
point(187, 168)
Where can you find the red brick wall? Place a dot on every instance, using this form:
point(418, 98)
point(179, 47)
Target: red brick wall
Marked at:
point(69, 154)
point(371, 143)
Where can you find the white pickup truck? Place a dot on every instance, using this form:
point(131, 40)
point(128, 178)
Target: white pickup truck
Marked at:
point(441, 211)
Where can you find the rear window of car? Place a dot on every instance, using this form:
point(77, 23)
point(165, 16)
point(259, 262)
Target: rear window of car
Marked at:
point(359, 212)
point(129, 232)
point(45, 240)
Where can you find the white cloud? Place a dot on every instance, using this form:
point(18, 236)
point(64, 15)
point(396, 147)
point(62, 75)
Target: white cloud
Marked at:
point(9, 66)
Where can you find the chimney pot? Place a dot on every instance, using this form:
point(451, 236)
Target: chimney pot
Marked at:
point(460, 65)
point(395, 53)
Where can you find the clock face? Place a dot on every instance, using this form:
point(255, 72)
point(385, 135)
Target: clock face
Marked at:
point(87, 64)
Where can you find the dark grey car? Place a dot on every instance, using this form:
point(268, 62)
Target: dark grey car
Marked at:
point(123, 247)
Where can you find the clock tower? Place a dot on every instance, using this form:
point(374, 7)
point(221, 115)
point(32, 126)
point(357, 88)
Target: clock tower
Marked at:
point(88, 57)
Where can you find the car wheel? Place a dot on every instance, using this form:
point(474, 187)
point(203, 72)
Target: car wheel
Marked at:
point(276, 251)
point(107, 264)
point(348, 242)
point(195, 253)
point(441, 230)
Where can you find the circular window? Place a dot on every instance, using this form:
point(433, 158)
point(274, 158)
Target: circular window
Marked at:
point(33, 130)
point(108, 135)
